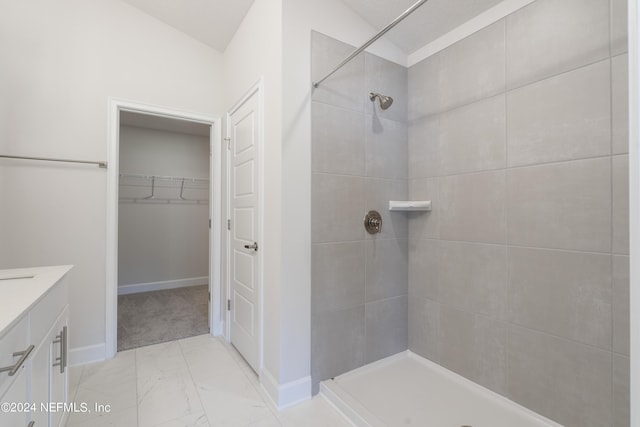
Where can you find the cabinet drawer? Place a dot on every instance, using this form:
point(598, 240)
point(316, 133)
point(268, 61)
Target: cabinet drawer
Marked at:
point(45, 313)
point(17, 394)
point(13, 341)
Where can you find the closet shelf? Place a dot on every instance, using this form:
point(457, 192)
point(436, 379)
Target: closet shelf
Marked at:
point(162, 189)
point(410, 205)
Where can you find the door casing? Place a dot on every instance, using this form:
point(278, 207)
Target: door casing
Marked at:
point(215, 211)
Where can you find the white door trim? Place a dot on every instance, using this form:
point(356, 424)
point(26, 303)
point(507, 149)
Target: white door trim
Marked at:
point(258, 88)
point(215, 209)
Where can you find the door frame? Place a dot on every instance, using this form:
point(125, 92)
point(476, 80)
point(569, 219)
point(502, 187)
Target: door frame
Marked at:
point(215, 211)
point(257, 88)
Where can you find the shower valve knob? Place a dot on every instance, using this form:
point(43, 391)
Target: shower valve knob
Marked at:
point(373, 222)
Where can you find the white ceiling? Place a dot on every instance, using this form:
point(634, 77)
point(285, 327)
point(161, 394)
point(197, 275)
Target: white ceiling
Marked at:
point(427, 23)
point(212, 22)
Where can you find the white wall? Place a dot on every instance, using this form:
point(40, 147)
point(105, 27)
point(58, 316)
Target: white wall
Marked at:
point(333, 18)
point(160, 242)
point(60, 62)
point(255, 52)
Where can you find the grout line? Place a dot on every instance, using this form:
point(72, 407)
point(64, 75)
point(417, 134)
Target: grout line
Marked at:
point(346, 175)
point(611, 212)
point(561, 73)
point(507, 307)
point(540, 248)
point(559, 337)
point(414, 120)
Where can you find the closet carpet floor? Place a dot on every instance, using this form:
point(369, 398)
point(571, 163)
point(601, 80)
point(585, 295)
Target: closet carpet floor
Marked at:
point(160, 316)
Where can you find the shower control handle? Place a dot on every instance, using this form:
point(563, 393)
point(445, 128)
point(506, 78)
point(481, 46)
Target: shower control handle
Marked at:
point(373, 222)
point(254, 246)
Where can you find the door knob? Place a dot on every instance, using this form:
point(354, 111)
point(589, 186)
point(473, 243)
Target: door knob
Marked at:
point(254, 246)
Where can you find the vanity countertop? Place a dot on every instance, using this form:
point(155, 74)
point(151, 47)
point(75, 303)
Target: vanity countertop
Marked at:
point(22, 288)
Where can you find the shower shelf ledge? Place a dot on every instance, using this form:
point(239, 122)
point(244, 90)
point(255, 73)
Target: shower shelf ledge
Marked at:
point(410, 205)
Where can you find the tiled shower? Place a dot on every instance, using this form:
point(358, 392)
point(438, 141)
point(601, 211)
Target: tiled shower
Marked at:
point(359, 163)
point(518, 277)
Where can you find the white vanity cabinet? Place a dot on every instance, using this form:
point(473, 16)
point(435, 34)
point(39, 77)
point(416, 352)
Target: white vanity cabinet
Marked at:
point(34, 347)
point(49, 376)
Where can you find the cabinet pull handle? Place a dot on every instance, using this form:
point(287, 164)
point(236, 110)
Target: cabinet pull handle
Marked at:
point(62, 339)
point(13, 369)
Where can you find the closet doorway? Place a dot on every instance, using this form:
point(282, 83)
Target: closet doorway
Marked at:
point(165, 240)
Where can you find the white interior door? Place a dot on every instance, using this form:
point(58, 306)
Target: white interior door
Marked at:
point(244, 134)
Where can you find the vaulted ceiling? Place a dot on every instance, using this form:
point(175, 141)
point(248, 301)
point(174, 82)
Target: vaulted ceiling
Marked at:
point(214, 22)
point(427, 23)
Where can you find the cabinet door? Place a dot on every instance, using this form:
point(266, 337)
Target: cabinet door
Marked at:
point(48, 379)
point(16, 394)
point(58, 368)
point(40, 383)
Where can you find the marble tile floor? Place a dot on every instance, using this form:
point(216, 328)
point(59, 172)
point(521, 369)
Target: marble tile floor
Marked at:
point(199, 381)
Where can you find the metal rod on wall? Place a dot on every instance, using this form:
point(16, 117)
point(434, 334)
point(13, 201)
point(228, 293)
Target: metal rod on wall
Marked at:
point(371, 41)
point(47, 159)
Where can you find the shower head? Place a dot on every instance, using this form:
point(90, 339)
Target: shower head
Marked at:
point(385, 101)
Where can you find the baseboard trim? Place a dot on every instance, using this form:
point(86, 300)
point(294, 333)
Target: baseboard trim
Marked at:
point(89, 354)
point(217, 330)
point(283, 396)
point(137, 288)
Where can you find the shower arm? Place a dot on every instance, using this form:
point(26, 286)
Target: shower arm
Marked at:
point(371, 41)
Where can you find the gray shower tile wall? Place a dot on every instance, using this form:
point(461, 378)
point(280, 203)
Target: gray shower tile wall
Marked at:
point(424, 326)
point(424, 88)
point(473, 68)
point(562, 379)
point(479, 145)
point(519, 278)
point(340, 146)
point(620, 172)
point(387, 78)
point(386, 328)
point(621, 400)
point(338, 203)
point(621, 305)
point(564, 117)
point(473, 277)
point(345, 87)
point(423, 226)
point(386, 147)
point(619, 18)
point(386, 269)
point(472, 207)
point(424, 161)
point(567, 294)
point(343, 285)
point(359, 282)
point(620, 104)
point(563, 205)
point(474, 346)
point(550, 37)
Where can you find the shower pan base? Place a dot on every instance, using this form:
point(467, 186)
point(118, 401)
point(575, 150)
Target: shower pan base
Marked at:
point(409, 390)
